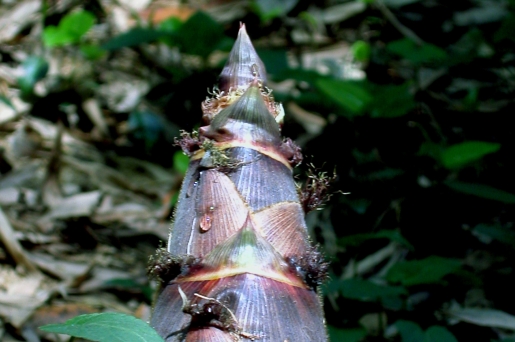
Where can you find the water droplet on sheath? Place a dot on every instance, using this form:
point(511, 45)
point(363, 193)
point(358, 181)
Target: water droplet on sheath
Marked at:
point(205, 223)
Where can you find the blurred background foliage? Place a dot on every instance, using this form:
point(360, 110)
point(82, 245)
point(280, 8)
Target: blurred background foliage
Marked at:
point(407, 100)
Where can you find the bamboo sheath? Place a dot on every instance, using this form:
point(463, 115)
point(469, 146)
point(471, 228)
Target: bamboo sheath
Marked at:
point(239, 264)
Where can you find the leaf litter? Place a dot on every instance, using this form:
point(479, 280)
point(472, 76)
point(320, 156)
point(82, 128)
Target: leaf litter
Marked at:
point(76, 220)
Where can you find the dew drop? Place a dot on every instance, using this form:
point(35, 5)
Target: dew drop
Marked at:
point(205, 223)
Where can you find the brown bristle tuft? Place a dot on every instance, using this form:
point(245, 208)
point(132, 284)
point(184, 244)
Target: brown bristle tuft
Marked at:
point(189, 142)
point(316, 190)
point(165, 267)
point(310, 266)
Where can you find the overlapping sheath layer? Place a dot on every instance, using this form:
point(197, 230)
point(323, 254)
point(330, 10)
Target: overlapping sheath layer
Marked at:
point(239, 215)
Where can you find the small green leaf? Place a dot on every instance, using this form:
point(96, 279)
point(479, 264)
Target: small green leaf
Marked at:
point(461, 154)
point(481, 190)
point(133, 37)
point(77, 23)
point(106, 327)
point(53, 36)
point(410, 331)
point(347, 335)
point(180, 162)
point(438, 334)
point(70, 29)
point(349, 95)
point(34, 69)
point(415, 53)
point(425, 271)
point(361, 50)
point(170, 25)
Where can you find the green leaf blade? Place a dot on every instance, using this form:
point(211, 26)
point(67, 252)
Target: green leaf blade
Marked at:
point(70, 29)
point(77, 24)
point(459, 155)
point(53, 36)
point(361, 50)
point(106, 327)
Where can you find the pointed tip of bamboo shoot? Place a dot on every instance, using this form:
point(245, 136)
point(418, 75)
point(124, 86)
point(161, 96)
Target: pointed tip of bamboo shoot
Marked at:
point(243, 64)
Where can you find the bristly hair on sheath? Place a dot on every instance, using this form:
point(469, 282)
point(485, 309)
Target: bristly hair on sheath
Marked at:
point(189, 142)
point(164, 267)
point(315, 192)
point(310, 266)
